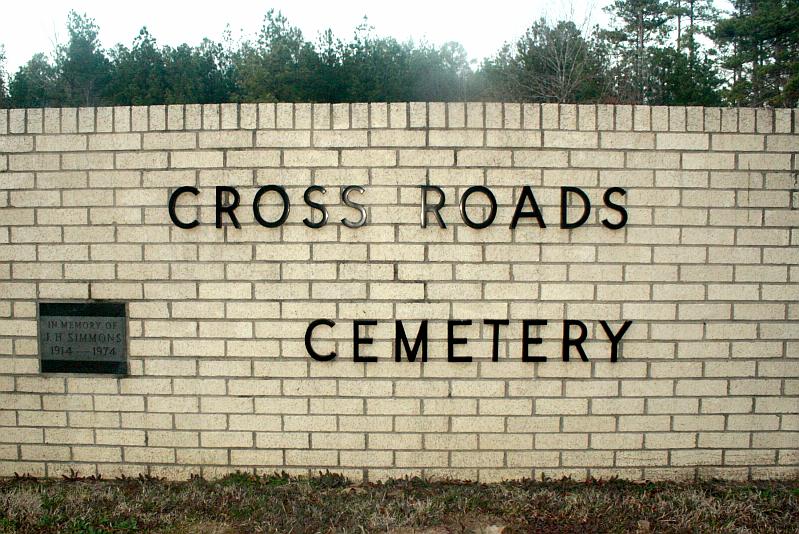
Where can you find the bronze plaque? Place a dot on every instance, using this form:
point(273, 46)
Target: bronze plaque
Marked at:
point(83, 337)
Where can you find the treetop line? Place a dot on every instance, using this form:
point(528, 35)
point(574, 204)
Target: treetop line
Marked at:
point(658, 52)
point(433, 200)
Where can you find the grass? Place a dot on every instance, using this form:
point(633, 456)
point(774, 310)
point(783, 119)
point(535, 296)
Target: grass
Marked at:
point(330, 503)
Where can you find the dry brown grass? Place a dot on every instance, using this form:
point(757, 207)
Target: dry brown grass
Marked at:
point(329, 503)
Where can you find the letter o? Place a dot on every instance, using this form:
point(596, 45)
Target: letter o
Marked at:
point(491, 198)
point(257, 210)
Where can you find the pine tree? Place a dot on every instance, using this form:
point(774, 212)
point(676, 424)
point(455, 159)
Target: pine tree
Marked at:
point(83, 68)
point(637, 25)
point(35, 85)
point(3, 77)
point(693, 18)
point(761, 41)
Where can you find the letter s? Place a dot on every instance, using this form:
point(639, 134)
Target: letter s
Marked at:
point(612, 205)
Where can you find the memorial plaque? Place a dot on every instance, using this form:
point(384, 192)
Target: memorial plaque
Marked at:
point(83, 337)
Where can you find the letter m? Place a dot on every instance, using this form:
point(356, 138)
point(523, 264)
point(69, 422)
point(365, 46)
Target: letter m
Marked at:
point(401, 340)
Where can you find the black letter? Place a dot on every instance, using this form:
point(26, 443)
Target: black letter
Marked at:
point(452, 341)
point(173, 200)
point(229, 208)
point(527, 340)
point(357, 340)
point(315, 205)
point(496, 323)
point(527, 194)
point(309, 332)
point(612, 205)
point(421, 340)
point(345, 197)
point(568, 341)
point(256, 206)
point(564, 199)
point(615, 339)
point(491, 199)
point(434, 208)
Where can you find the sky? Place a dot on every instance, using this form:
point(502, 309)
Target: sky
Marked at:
point(30, 26)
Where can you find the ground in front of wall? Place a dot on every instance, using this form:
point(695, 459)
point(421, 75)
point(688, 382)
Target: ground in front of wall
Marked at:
point(330, 503)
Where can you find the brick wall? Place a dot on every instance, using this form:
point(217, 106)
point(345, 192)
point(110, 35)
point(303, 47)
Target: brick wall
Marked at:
point(707, 379)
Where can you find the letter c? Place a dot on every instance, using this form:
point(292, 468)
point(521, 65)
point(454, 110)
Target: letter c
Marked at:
point(309, 333)
point(173, 200)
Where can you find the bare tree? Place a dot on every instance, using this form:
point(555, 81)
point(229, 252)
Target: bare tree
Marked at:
point(550, 62)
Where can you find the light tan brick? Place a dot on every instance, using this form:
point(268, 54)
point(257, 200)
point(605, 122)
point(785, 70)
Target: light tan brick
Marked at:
point(195, 159)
